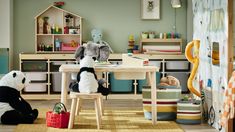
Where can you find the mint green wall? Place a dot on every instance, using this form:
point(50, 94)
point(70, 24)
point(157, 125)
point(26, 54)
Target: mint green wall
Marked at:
point(117, 18)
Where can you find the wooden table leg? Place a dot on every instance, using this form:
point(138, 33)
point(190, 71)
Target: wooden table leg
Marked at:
point(64, 86)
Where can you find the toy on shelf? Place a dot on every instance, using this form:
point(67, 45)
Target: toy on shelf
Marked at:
point(195, 60)
point(131, 43)
point(40, 26)
point(59, 4)
point(97, 38)
point(72, 46)
point(57, 44)
point(45, 25)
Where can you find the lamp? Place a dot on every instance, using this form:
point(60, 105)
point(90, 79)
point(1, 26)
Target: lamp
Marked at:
point(175, 3)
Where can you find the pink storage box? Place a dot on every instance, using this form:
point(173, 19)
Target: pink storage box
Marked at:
point(68, 47)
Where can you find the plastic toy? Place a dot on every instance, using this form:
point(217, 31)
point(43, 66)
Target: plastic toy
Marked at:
point(195, 60)
point(97, 38)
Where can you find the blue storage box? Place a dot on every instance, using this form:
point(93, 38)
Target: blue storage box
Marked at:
point(120, 85)
point(142, 83)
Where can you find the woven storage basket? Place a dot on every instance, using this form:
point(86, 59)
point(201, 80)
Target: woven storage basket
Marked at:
point(167, 99)
point(188, 112)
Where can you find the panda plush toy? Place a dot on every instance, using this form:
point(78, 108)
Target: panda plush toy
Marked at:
point(13, 108)
point(87, 79)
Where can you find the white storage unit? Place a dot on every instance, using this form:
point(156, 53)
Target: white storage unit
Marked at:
point(41, 65)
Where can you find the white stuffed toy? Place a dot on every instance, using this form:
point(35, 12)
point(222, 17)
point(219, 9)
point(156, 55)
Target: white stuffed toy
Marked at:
point(86, 77)
point(13, 108)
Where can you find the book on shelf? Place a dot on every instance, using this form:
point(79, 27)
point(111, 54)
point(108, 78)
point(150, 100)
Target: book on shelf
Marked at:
point(162, 47)
point(164, 52)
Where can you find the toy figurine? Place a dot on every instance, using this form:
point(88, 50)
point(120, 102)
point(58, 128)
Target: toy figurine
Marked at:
point(40, 25)
point(57, 44)
point(97, 38)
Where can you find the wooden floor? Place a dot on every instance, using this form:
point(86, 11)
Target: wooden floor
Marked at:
point(114, 103)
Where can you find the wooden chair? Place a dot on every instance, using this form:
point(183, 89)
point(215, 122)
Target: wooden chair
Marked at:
point(77, 102)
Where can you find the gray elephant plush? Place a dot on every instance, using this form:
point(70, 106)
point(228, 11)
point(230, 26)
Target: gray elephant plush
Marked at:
point(97, 35)
point(86, 55)
point(97, 51)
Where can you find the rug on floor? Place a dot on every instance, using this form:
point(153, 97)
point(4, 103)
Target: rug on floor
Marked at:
point(112, 121)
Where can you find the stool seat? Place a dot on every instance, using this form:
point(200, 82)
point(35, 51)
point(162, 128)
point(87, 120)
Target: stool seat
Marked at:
point(76, 106)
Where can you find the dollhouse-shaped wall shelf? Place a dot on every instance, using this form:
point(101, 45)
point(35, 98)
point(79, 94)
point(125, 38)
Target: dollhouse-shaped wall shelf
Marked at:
point(57, 31)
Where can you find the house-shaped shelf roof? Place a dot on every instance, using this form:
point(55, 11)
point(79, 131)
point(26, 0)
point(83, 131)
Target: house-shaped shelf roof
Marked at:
point(56, 8)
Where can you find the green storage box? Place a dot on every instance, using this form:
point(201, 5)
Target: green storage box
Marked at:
point(120, 86)
point(166, 103)
point(189, 112)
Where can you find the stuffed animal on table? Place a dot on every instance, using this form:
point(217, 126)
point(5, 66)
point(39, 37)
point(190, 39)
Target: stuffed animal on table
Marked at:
point(13, 108)
point(86, 78)
point(100, 52)
point(169, 81)
point(97, 38)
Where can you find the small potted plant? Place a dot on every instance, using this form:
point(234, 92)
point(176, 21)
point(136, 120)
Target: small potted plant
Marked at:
point(144, 35)
point(151, 35)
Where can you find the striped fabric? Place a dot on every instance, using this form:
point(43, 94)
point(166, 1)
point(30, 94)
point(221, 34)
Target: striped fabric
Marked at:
point(188, 113)
point(166, 103)
point(229, 102)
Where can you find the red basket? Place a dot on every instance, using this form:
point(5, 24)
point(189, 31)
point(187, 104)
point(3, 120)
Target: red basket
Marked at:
point(57, 120)
point(60, 120)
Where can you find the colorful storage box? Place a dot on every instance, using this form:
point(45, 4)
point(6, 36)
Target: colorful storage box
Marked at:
point(166, 102)
point(189, 112)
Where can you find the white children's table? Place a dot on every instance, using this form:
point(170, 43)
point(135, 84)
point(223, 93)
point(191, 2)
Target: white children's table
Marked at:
point(129, 72)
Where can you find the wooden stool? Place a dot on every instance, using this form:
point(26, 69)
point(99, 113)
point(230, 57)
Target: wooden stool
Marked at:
point(76, 106)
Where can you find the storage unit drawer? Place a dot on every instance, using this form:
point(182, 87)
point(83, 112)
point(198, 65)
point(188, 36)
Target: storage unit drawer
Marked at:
point(177, 65)
point(55, 65)
point(36, 76)
point(120, 85)
point(116, 62)
point(34, 66)
point(36, 87)
point(56, 81)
